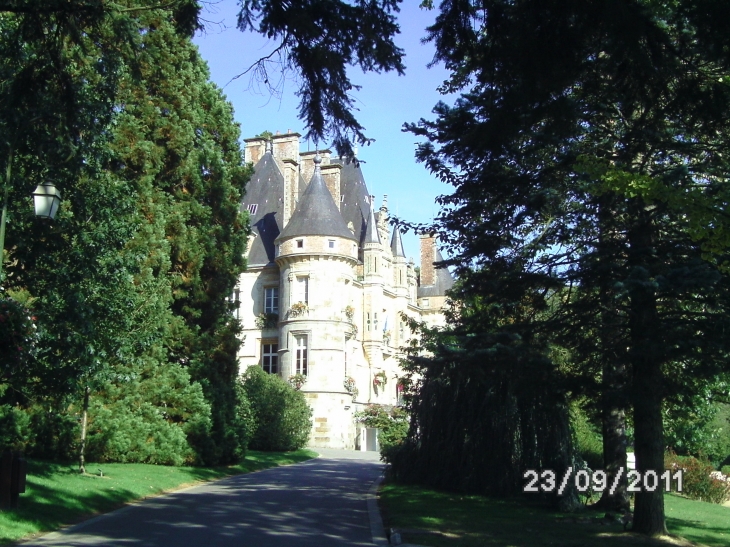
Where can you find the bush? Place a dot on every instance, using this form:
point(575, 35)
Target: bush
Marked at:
point(392, 421)
point(147, 412)
point(55, 432)
point(588, 440)
point(14, 430)
point(283, 420)
point(697, 480)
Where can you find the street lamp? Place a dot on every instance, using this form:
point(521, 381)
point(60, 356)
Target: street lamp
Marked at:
point(46, 199)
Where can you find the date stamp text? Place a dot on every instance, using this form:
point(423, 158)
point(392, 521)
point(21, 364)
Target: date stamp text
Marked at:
point(597, 481)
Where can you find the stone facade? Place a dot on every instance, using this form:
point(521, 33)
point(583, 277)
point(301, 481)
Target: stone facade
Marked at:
point(326, 284)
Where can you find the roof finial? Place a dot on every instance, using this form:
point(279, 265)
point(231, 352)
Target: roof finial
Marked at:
point(317, 163)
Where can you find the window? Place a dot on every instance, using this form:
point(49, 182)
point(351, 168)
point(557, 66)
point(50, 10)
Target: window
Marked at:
point(368, 320)
point(331, 243)
point(302, 290)
point(375, 321)
point(301, 354)
point(425, 303)
point(251, 207)
point(271, 300)
point(342, 198)
point(270, 358)
point(300, 243)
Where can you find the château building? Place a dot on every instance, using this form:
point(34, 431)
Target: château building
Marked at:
point(327, 281)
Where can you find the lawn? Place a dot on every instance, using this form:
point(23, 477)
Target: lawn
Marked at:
point(57, 494)
point(442, 519)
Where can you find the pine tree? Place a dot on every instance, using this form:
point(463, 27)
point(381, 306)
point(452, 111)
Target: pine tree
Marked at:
point(566, 104)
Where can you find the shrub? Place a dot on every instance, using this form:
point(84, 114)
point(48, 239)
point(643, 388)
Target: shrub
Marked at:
point(55, 432)
point(698, 482)
point(588, 440)
point(392, 421)
point(14, 430)
point(283, 420)
point(725, 470)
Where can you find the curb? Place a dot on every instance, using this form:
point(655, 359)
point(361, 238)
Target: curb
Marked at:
point(377, 529)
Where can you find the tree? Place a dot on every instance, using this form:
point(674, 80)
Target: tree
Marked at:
point(563, 107)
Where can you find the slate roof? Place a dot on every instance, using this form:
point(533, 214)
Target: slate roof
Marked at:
point(265, 190)
point(444, 281)
point(316, 213)
point(371, 231)
point(355, 204)
point(396, 243)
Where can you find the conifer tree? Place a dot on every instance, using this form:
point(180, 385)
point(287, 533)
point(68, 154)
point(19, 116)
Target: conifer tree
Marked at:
point(565, 106)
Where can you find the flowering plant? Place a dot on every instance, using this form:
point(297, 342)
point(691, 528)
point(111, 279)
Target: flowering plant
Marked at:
point(386, 336)
point(297, 381)
point(380, 379)
point(349, 384)
point(349, 312)
point(298, 308)
point(267, 320)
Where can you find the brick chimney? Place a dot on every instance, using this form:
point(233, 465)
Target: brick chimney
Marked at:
point(286, 147)
point(428, 255)
point(255, 148)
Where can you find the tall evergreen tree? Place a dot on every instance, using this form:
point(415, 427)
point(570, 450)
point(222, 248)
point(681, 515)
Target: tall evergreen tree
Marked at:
point(566, 104)
point(175, 139)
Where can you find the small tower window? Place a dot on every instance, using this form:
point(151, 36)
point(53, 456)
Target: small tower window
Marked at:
point(301, 354)
point(331, 243)
point(300, 243)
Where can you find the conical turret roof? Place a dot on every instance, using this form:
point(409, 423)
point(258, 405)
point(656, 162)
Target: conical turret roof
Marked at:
point(317, 213)
point(371, 233)
point(396, 243)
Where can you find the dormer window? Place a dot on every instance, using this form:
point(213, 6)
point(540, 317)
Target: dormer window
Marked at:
point(342, 198)
point(252, 208)
point(300, 243)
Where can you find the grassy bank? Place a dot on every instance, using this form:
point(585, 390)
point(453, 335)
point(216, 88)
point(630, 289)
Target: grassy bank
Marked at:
point(440, 519)
point(57, 495)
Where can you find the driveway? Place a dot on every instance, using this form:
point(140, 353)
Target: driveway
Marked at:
point(324, 502)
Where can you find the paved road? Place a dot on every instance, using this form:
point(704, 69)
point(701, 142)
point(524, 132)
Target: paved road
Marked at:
point(321, 502)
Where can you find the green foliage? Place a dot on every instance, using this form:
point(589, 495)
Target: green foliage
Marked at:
point(146, 413)
point(697, 481)
point(481, 413)
point(392, 421)
point(54, 431)
point(283, 418)
point(579, 152)
point(588, 440)
point(698, 427)
point(17, 338)
point(321, 38)
point(14, 428)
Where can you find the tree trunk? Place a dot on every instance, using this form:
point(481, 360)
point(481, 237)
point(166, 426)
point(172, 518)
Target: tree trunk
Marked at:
point(614, 369)
point(84, 418)
point(646, 363)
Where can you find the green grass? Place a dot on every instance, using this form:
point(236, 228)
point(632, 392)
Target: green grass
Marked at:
point(442, 519)
point(57, 495)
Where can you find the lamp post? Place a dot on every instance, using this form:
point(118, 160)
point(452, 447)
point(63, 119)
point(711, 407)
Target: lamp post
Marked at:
point(46, 199)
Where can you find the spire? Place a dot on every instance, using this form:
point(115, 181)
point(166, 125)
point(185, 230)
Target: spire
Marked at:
point(396, 243)
point(316, 214)
point(371, 234)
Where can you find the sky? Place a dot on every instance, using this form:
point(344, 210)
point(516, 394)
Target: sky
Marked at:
point(386, 101)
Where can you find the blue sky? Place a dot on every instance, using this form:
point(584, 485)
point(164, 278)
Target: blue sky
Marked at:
point(385, 102)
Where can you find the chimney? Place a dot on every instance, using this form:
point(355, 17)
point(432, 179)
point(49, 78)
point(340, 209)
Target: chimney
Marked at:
point(286, 147)
point(254, 149)
point(428, 255)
